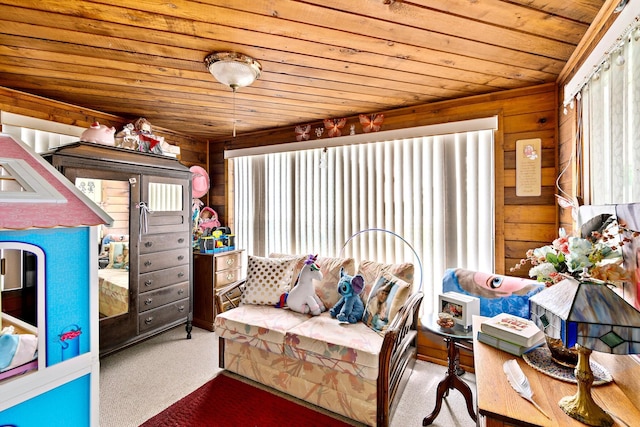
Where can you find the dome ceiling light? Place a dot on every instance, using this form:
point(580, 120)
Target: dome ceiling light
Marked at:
point(234, 70)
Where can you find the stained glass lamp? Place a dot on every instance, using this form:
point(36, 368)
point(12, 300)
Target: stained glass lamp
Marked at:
point(591, 317)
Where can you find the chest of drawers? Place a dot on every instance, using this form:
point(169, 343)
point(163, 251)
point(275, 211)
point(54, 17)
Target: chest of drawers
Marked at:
point(164, 289)
point(212, 271)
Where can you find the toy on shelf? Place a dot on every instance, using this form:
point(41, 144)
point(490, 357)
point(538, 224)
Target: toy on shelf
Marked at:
point(99, 134)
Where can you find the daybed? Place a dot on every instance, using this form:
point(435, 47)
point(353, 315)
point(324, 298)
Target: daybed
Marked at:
point(349, 369)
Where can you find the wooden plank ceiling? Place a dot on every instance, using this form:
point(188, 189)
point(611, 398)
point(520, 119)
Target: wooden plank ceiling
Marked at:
point(320, 58)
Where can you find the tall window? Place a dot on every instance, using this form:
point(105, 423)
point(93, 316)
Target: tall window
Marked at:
point(436, 192)
point(610, 112)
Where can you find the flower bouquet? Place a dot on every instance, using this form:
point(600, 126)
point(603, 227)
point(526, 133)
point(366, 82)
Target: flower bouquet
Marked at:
point(598, 257)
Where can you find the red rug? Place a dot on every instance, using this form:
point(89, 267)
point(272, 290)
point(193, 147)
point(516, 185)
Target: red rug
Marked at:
point(226, 401)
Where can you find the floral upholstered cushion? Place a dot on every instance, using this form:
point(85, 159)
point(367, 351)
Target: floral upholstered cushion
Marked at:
point(385, 299)
point(346, 394)
point(260, 326)
point(267, 280)
point(371, 270)
point(350, 348)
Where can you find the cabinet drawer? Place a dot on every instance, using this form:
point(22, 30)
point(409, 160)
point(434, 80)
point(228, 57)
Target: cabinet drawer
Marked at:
point(225, 262)
point(159, 279)
point(162, 296)
point(165, 259)
point(163, 242)
point(162, 316)
point(227, 276)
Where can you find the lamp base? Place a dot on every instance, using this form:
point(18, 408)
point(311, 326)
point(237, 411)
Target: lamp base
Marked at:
point(581, 405)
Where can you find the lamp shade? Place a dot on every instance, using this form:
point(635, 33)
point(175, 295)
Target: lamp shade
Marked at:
point(233, 69)
point(589, 314)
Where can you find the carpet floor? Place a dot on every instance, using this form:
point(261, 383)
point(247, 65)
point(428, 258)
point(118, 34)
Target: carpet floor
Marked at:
point(225, 402)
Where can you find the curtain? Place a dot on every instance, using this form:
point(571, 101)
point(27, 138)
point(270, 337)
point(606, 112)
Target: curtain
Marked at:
point(610, 111)
point(436, 193)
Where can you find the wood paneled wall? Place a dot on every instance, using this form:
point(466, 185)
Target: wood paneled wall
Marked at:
point(192, 151)
point(521, 222)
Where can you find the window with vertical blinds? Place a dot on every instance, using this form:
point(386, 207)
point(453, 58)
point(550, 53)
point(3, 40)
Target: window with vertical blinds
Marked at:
point(437, 192)
point(609, 108)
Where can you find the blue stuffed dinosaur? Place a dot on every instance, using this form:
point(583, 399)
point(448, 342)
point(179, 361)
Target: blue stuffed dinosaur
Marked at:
point(349, 308)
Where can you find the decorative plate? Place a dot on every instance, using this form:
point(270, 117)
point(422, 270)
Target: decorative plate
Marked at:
point(540, 360)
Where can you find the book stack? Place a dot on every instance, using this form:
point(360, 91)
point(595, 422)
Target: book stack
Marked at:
point(513, 334)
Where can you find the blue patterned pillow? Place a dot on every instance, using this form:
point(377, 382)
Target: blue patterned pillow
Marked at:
point(497, 294)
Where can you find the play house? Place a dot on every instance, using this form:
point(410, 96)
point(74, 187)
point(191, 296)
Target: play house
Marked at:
point(49, 366)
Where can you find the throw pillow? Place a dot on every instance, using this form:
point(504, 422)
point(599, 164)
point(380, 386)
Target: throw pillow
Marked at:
point(371, 270)
point(267, 280)
point(327, 289)
point(297, 267)
point(387, 295)
point(497, 293)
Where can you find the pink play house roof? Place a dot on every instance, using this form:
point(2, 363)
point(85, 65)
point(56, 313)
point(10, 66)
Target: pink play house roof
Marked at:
point(48, 199)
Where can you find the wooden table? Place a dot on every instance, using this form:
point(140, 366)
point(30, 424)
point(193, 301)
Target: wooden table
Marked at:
point(499, 405)
point(454, 337)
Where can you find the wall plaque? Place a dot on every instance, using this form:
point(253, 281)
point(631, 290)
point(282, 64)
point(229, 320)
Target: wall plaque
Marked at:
point(528, 169)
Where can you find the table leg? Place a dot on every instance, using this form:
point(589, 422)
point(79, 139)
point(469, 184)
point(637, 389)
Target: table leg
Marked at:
point(451, 381)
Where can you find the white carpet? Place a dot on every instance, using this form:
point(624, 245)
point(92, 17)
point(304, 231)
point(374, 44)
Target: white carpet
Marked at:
point(141, 381)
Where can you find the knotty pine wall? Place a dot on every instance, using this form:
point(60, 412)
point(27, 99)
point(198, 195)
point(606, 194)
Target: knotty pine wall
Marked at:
point(192, 151)
point(521, 222)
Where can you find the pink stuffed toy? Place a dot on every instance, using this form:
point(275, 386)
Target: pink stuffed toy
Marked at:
point(208, 219)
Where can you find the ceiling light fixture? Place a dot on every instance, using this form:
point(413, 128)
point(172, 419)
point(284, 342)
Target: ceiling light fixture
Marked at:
point(234, 70)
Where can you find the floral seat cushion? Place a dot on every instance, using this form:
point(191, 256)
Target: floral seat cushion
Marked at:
point(352, 348)
point(259, 325)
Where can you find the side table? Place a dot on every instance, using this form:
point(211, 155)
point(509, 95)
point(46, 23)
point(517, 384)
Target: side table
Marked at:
point(455, 338)
point(210, 272)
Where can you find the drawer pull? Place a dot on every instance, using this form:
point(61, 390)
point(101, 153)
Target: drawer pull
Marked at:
point(148, 282)
point(230, 276)
point(148, 244)
point(181, 308)
point(181, 274)
point(148, 320)
point(147, 263)
point(181, 240)
point(148, 301)
point(180, 257)
point(181, 291)
point(230, 261)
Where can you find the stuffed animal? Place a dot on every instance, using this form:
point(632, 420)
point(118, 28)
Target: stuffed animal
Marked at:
point(99, 134)
point(349, 308)
point(302, 298)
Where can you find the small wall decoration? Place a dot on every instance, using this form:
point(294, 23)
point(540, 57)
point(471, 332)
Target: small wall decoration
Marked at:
point(528, 167)
point(302, 132)
point(319, 132)
point(334, 126)
point(371, 123)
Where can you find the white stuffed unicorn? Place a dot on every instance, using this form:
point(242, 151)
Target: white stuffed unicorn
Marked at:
point(302, 298)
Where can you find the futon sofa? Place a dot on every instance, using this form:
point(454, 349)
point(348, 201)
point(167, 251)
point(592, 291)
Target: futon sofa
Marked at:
point(350, 369)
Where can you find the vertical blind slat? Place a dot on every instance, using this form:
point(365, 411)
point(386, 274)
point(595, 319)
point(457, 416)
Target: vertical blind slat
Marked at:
point(432, 191)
